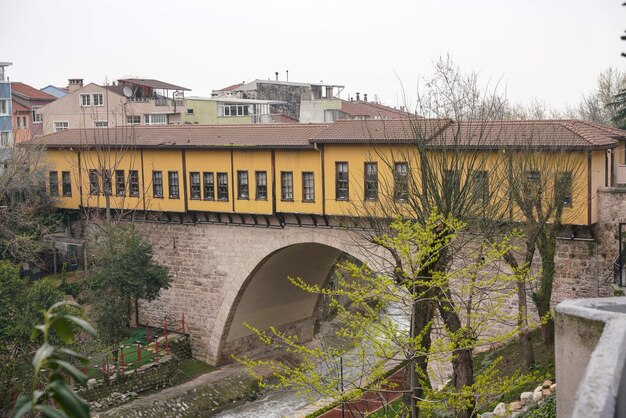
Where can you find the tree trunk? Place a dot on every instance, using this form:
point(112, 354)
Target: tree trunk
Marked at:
point(462, 360)
point(547, 248)
point(416, 378)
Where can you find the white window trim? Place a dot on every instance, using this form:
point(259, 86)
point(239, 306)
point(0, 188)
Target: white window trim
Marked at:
point(93, 101)
point(35, 114)
point(95, 122)
point(54, 125)
point(133, 123)
point(151, 115)
point(9, 138)
point(80, 99)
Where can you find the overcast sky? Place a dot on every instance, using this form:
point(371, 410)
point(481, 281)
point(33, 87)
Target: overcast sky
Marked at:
point(544, 49)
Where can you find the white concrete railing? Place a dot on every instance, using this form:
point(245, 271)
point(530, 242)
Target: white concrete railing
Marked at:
point(620, 175)
point(591, 358)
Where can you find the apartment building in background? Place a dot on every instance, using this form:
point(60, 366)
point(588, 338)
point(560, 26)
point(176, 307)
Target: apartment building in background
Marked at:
point(125, 103)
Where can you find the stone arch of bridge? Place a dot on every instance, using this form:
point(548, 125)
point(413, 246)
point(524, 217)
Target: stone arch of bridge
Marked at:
point(264, 297)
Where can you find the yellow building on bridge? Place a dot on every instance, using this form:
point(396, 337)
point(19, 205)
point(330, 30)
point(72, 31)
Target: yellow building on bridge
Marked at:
point(346, 168)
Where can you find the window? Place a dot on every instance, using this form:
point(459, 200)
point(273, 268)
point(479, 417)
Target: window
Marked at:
point(107, 182)
point(261, 185)
point(19, 122)
point(532, 185)
point(563, 188)
point(401, 181)
point(4, 106)
point(209, 186)
point(120, 183)
point(341, 181)
point(133, 183)
point(308, 187)
point(222, 186)
point(24, 122)
point(94, 182)
point(37, 117)
point(233, 109)
point(371, 181)
point(286, 181)
point(451, 183)
point(66, 181)
point(98, 99)
point(85, 99)
point(155, 119)
point(61, 126)
point(133, 120)
point(190, 111)
point(242, 185)
point(157, 184)
point(100, 124)
point(480, 186)
point(5, 139)
point(172, 177)
point(194, 182)
point(54, 183)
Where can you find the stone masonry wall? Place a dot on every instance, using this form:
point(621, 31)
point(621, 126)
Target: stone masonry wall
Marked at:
point(210, 263)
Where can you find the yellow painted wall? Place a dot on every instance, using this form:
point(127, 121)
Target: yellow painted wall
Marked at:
point(113, 160)
point(164, 161)
point(204, 112)
point(215, 161)
point(64, 161)
point(297, 162)
point(252, 161)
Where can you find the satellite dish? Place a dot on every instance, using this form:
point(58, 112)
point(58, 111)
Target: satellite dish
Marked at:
point(128, 92)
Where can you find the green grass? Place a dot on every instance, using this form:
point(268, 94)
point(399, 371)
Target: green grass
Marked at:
point(130, 352)
point(192, 368)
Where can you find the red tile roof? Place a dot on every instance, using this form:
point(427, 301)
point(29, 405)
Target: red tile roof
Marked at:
point(190, 136)
point(371, 110)
point(551, 134)
point(438, 133)
point(30, 92)
point(380, 130)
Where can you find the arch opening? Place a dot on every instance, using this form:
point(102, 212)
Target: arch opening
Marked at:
point(267, 298)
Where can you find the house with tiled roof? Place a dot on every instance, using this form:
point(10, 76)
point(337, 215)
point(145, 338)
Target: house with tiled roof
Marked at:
point(330, 109)
point(128, 102)
point(54, 90)
point(27, 101)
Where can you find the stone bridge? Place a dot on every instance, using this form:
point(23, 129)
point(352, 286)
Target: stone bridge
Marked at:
point(225, 275)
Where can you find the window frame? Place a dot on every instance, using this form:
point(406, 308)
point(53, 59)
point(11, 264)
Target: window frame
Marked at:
point(120, 186)
point(107, 182)
point(195, 188)
point(173, 184)
point(149, 116)
point(56, 128)
point(81, 99)
point(306, 199)
point(66, 175)
point(131, 123)
point(480, 186)
point(100, 122)
point(101, 101)
point(53, 183)
point(243, 185)
point(205, 185)
point(260, 187)
point(342, 181)
point(400, 182)
point(94, 182)
point(568, 198)
point(133, 183)
point(157, 175)
point(286, 189)
point(367, 181)
point(5, 103)
point(222, 188)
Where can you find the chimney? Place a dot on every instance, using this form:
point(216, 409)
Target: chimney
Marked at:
point(365, 97)
point(74, 84)
point(357, 96)
point(276, 75)
point(287, 72)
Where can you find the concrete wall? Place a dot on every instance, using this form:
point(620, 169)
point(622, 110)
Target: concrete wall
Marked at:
point(590, 358)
